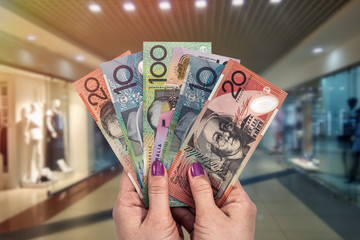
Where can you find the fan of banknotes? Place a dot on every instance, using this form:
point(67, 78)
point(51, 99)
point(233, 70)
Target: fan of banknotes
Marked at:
point(178, 103)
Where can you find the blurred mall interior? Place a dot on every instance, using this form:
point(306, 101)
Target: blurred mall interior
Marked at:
point(304, 177)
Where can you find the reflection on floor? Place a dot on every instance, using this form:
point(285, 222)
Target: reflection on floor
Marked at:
point(15, 201)
point(330, 165)
point(290, 206)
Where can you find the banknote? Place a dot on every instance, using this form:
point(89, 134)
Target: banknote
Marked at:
point(226, 132)
point(92, 90)
point(180, 59)
point(161, 133)
point(123, 77)
point(193, 94)
point(157, 98)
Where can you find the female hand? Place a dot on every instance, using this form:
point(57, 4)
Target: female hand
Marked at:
point(234, 220)
point(134, 221)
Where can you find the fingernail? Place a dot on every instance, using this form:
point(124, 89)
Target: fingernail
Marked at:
point(197, 169)
point(157, 168)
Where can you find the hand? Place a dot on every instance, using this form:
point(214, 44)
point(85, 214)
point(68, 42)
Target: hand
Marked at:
point(234, 220)
point(134, 221)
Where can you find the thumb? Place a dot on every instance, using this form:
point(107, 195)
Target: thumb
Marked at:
point(201, 189)
point(158, 190)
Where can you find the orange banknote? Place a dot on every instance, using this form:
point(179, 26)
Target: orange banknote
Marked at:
point(227, 131)
point(94, 93)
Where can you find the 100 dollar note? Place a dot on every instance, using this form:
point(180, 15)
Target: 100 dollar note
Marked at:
point(158, 98)
point(226, 132)
point(123, 77)
point(92, 90)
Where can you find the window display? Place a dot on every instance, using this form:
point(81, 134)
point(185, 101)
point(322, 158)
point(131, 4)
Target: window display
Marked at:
point(320, 130)
point(36, 115)
point(54, 135)
point(33, 138)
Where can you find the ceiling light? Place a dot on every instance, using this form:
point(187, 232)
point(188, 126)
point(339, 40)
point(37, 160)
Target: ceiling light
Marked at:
point(31, 37)
point(318, 50)
point(275, 1)
point(164, 5)
point(237, 2)
point(94, 7)
point(200, 3)
point(129, 7)
point(80, 58)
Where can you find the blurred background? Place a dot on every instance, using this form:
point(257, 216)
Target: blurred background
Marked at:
point(59, 177)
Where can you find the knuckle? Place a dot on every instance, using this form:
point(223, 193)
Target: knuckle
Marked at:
point(251, 207)
point(236, 195)
point(202, 187)
point(157, 189)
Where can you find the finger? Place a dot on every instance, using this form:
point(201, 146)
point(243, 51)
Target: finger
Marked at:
point(125, 184)
point(127, 195)
point(237, 202)
point(184, 217)
point(158, 190)
point(237, 194)
point(201, 189)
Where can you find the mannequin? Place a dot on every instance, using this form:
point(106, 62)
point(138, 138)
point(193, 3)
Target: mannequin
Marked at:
point(55, 136)
point(34, 137)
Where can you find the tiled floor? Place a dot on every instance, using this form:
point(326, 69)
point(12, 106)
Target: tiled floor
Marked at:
point(283, 213)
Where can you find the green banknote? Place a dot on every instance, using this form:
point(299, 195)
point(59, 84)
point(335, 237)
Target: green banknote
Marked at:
point(157, 96)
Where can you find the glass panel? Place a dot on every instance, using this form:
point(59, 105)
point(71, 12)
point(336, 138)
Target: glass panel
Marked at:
point(321, 117)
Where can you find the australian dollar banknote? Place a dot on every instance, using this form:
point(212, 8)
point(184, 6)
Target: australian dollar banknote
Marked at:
point(227, 131)
point(123, 77)
point(93, 91)
point(157, 97)
point(193, 96)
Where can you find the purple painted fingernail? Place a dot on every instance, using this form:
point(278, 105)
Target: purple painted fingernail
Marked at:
point(197, 169)
point(157, 168)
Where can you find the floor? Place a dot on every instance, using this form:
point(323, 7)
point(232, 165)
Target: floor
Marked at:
point(290, 206)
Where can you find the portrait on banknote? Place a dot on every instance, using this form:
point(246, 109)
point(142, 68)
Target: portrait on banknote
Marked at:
point(110, 122)
point(133, 120)
point(224, 143)
point(186, 121)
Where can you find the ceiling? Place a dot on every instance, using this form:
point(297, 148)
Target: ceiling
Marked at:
point(259, 33)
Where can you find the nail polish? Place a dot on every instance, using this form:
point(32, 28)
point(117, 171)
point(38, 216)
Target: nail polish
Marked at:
point(197, 169)
point(157, 168)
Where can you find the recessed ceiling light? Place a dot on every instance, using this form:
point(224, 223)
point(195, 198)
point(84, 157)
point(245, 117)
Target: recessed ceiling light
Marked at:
point(200, 3)
point(275, 1)
point(164, 5)
point(237, 2)
point(79, 58)
point(94, 7)
point(318, 50)
point(31, 37)
point(129, 7)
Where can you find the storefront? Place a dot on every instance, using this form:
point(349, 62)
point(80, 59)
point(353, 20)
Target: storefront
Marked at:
point(47, 137)
point(316, 131)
